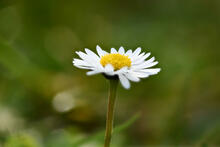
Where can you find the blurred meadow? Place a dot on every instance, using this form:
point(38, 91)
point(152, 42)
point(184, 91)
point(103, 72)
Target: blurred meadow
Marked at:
point(46, 102)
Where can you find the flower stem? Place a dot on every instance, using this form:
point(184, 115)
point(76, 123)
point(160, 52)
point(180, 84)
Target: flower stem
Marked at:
point(110, 111)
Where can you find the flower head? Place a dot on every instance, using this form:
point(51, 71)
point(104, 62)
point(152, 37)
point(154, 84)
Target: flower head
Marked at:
point(125, 65)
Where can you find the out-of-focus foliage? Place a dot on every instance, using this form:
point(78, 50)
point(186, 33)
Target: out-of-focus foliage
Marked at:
point(45, 101)
point(21, 141)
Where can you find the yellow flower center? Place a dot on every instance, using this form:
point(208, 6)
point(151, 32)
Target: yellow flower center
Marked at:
point(116, 60)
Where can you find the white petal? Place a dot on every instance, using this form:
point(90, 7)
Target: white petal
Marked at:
point(92, 54)
point(113, 51)
point(121, 50)
point(150, 60)
point(151, 71)
point(124, 81)
point(140, 74)
point(80, 62)
point(109, 69)
point(141, 59)
point(136, 58)
point(82, 55)
point(146, 55)
point(89, 59)
point(89, 73)
point(151, 64)
point(136, 52)
point(146, 64)
point(122, 70)
point(100, 51)
point(132, 77)
point(128, 53)
point(84, 67)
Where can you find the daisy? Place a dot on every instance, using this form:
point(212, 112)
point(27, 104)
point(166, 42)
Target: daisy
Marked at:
point(124, 65)
point(116, 66)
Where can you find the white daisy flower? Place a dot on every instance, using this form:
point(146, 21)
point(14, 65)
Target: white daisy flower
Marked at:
point(124, 65)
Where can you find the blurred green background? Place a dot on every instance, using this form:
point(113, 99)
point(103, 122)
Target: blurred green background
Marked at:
point(46, 102)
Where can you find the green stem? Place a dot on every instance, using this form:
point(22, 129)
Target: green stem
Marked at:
point(110, 111)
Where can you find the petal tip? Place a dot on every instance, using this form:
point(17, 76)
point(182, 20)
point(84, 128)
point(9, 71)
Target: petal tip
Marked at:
point(128, 87)
point(97, 46)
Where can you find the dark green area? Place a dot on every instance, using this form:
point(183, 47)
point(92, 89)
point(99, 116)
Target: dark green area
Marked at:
point(39, 85)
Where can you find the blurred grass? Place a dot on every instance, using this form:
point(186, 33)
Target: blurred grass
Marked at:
point(180, 105)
